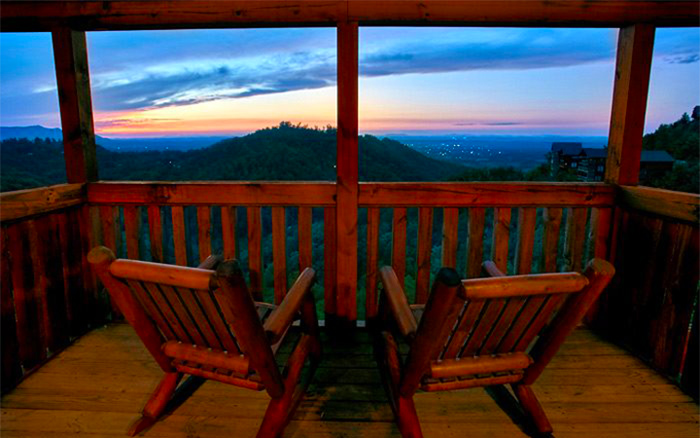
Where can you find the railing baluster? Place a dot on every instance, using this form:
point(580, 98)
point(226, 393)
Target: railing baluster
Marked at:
point(304, 229)
point(450, 220)
point(179, 240)
point(423, 253)
point(132, 226)
point(329, 260)
point(475, 242)
point(255, 252)
point(501, 234)
point(228, 231)
point(204, 231)
point(279, 253)
point(526, 240)
point(155, 229)
point(550, 239)
point(575, 238)
point(398, 246)
point(371, 302)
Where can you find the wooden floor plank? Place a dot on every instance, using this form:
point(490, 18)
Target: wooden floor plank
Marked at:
point(98, 386)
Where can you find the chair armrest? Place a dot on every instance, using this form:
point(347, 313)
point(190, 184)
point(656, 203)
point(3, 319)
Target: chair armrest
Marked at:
point(397, 302)
point(491, 269)
point(282, 317)
point(211, 262)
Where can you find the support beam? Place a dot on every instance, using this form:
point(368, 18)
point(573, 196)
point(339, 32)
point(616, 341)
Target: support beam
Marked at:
point(347, 172)
point(73, 80)
point(634, 53)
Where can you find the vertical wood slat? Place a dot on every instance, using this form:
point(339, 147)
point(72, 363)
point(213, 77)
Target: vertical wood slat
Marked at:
point(371, 302)
point(279, 253)
point(575, 238)
point(67, 275)
point(423, 253)
point(600, 231)
point(109, 219)
point(204, 232)
point(179, 239)
point(155, 230)
point(73, 80)
point(228, 231)
point(450, 221)
point(398, 244)
point(78, 292)
point(632, 71)
point(526, 240)
point(255, 251)
point(550, 239)
point(329, 260)
point(347, 171)
point(501, 234)
point(37, 249)
point(475, 242)
point(11, 363)
point(304, 225)
point(57, 306)
point(132, 226)
point(87, 242)
point(26, 307)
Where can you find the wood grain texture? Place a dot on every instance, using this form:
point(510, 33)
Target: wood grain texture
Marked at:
point(75, 102)
point(501, 236)
point(329, 261)
point(424, 253)
point(347, 171)
point(450, 221)
point(279, 253)
point(228, 231)
point(371, 302)
point(526, 240)
point(24, 203)
point(179, 236)
point(398, 244)
point(550, 240)
point(631, 87)
point(575, 239)
point(204, 232)
point(132, 227)
point(255, 252)
point(466, 194)
point(216, 193)
point(155, 231)
point(92, 15)
point(475, 242)
point(669, 203)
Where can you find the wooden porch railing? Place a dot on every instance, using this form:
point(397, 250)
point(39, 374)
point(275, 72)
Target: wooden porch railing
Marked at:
point(651, 306)
point(49, 297)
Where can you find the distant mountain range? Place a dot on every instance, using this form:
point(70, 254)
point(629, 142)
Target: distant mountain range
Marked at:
point(115, 144)
point(285, 153)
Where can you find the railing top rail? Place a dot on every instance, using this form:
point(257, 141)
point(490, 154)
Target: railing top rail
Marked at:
point(22, 203)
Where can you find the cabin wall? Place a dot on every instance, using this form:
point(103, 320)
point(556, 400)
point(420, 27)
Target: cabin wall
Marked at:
point(651, 306)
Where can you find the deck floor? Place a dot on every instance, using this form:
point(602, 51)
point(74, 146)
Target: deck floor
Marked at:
point(98, 386)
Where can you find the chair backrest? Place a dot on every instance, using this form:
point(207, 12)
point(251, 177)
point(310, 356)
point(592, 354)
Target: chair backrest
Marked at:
point(191, 316)
point(502, 329)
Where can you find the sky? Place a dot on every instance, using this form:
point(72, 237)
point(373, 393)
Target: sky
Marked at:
point(507, 81)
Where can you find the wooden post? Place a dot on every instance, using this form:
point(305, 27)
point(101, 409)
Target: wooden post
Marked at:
point(634, 52)
point(347, 172)
point(73, 80)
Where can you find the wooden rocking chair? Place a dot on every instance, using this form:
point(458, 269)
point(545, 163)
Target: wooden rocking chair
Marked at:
point(204, 323)
point(481, 332)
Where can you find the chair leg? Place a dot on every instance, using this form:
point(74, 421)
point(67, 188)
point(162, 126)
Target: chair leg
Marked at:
point(155, 406)
point(532, 407)
point(390, 369)
point(280, 410)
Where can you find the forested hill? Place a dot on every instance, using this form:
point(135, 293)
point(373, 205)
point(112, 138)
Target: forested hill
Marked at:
point(285, 152)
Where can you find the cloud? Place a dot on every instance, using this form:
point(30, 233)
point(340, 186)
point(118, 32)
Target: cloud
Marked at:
point(683, 59)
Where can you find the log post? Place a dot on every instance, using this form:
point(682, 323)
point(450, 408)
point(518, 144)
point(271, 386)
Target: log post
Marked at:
point(73, 80)
point(347, 173)
point(633, 66)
